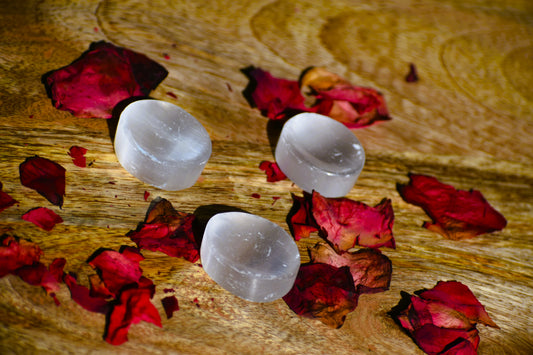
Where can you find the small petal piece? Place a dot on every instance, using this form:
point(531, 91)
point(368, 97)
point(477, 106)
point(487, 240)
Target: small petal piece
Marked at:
point(5, 200)
point(43, 218)
point(323, 291)
point(412, 76)
point(272, 171)
point(93, 84)
point(78, 156)
point(44, 176)
point(170, 304)
point(168, 231)
point(456, 214)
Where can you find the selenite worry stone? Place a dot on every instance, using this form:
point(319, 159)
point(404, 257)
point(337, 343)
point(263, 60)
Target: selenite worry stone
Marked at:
point(161, 144)
point(249, 256)
point(318, 153)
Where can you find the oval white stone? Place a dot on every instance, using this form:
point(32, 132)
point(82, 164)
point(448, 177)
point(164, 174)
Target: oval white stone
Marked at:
point(318, 153)
point(161, 144)
point(249, 256)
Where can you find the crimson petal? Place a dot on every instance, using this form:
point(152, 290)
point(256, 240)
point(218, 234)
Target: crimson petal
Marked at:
point(45, 176)
point(16, 253)
point(456, 214)
point(5, 200)
point(43, 218)
point(78, 156)
point(272, 171)
point(103, 76)
point(81, 295)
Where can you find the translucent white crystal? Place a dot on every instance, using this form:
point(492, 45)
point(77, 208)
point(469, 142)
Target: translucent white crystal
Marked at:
point(318, 153)
point(249, 256)
point(161, 144)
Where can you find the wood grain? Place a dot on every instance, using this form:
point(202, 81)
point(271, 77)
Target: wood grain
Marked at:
point(468, 121)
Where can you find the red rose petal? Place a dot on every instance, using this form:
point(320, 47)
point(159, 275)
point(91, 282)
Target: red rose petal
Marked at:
point(92, 85)
point(370, 269)
point(44, 176)
point(81, 295)
point(118, 269)
point(300, 219)
point(323, 291)
point(443, 320)
point(133, 306)
point(43, 218)
point(146, 195)
point(16, 253)
point(276, 98)
point(168, 231)
point(78, 156)
point(272, 171)
point(170, 304)
point(38, 274)
point(5, 200)
point(456, 214)
point(346, 223)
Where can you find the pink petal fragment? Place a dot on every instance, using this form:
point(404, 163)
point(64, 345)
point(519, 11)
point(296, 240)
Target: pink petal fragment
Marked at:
point(44, 176)
point(103, 76)
point(456, 214)
point(43, 218)
point(78, 156)
point(323, 291)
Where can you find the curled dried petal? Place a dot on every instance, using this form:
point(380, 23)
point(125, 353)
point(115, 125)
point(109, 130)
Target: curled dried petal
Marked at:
point(44, 176)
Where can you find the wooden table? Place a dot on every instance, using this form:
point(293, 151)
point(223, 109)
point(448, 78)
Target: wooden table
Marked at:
point(468, 121)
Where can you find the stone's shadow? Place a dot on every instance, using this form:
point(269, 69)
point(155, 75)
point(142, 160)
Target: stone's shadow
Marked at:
point(252, 85)
point(274, 128)
point(112, 122)
point(204, 213)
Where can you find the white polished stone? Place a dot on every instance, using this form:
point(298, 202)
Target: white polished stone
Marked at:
point(161, 144)
point(249, 256)
point(318, 153)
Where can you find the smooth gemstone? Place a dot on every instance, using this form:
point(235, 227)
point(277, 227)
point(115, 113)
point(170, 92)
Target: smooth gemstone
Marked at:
point(318, 153)
point(161, 144)
point(249, 256)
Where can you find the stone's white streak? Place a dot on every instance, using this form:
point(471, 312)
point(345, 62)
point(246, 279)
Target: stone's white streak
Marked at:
point(318, 153)
point(249, 256)
point(161, 144)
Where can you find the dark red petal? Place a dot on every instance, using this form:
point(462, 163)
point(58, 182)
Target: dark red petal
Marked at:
point(346, 223)
point(133, 306)
point(300, 219)
point(5, 200)
point(78, 156)
point(436, 341)
point(38, 274)
point(118, 270)
point(44, 176)
point(323, 291)
point(272, 171)
point(42, 217)
point(412, 76)
point(16, 253)
point(170, 304)
point(81, 295)
point(370, 269)
point(168, 231)
point(146, 195)
point(456, 214)
point(92, 85)
point(276, 98)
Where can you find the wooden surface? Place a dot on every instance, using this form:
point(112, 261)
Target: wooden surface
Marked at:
point(469, 122)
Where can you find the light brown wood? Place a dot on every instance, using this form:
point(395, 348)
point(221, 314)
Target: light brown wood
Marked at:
point(469, 122)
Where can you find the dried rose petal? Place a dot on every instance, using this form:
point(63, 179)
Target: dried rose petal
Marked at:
point(276, 98)
point(16, 253)
point(370, 269)
point(81, 295)
point(38, 274)
point(44, 176)
point(323, 291)
point(146, 195)
point(78, 156)
point(5, 200)
point(300, 219)
point(442, 319)
point(346, 223)
point(412, 76)
point(352, 105)
point(133, 306)
point(43, 218)
point(92, 85)
point(168, 231)
point(272, 171)
point(170, 304)
point(118, 269)
point(456, 214)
